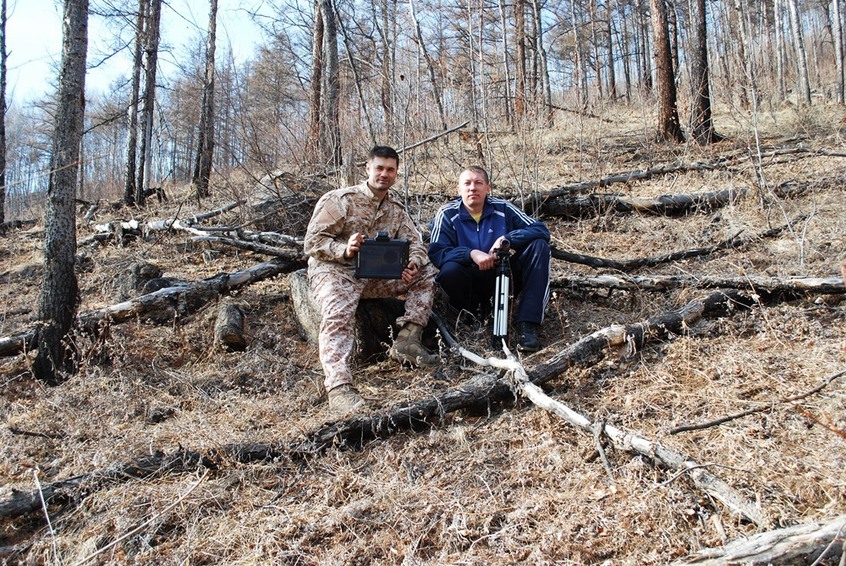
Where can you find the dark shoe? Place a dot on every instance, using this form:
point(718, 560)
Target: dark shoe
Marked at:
point(344, 399)
point(528, 340)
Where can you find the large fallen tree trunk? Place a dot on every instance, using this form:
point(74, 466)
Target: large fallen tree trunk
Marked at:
point(789, 286)
point(537, 201)
point(800, 544)
point(164, 304)
point(590, 206)
point(632, 264)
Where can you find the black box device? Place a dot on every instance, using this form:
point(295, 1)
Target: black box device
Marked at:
point(381, 258)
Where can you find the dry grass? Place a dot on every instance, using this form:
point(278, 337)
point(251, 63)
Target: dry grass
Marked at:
point(513, 485)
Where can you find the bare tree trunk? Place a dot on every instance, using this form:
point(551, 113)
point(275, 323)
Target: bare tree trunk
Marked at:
point(747, 92)
point(357, 80)
point(625, 42)
point(59, 291)
point(701, 124)
point(801, 58)
point(151, 50)
point(129, 187)
point(507, 106)
point(597, 60)
point(837, 33)
point(520, 39)
point(644, 68)
point(330, 131)
point(205, 143)
point(2, 111)
point(673, 32)
point(578, 67)
point(421, 44)
point(544, 60)
point(609, 30)
point(668, 116)
point(386, 67)
point(780, 47)
point(313, 142)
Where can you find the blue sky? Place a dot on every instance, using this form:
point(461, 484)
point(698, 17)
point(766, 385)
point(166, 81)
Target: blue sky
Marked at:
point(34, 41)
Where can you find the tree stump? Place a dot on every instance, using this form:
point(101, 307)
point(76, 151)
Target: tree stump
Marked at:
point(375, 319)
point(229, 328)
point(132, 280)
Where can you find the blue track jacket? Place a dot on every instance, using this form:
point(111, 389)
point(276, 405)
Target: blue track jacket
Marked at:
point(455, 234)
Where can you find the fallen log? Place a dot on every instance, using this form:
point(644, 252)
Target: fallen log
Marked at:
point(800, 544)
point(164, 304)
point(182, 299)
point(230, 327)
point(629, 265)
point(590, 206)
point(789, 286)
point(537, 201)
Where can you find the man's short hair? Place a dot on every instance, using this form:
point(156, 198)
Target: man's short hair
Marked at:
point(480, 171)
point(383, 151)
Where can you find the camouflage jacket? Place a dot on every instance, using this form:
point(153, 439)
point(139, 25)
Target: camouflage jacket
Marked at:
point(341, 213)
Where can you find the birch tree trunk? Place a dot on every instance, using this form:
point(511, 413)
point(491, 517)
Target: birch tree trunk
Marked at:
point(59, 291)
point(804, 85)
point(151, 49)
point(205, 143)
point(837, 33)
point(130, 172)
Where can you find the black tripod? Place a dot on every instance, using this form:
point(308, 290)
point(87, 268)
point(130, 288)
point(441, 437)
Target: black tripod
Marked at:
point(501, 294)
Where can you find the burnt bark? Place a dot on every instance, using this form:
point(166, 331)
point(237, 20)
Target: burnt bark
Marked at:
point(59, 292)
point(669, 128)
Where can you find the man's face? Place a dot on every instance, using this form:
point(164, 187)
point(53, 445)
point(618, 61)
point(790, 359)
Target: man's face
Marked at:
point(381, 173)
point(473, 189)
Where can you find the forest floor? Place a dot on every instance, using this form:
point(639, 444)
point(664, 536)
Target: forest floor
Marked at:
point(509, 484)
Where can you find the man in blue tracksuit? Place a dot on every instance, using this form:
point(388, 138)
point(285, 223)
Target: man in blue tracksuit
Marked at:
point(466, 234)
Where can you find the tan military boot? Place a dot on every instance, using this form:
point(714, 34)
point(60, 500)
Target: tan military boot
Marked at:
point(407, 347)
point(345, 400)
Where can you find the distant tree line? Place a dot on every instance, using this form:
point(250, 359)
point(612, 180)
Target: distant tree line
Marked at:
point(335, 76)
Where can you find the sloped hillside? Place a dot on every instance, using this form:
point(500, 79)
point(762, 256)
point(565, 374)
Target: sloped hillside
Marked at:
point(165, 449)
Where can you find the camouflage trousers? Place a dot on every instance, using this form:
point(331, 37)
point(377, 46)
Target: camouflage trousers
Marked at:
point(337, 293)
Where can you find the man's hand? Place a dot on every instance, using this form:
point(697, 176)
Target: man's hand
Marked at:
point(484, 260)
point(496, 245)
point(353, 245)
point(410, 272)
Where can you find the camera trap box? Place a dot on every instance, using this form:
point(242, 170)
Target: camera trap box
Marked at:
point(381, 258)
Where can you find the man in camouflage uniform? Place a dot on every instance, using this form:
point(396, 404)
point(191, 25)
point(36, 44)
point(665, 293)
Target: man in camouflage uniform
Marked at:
point(342, 219)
